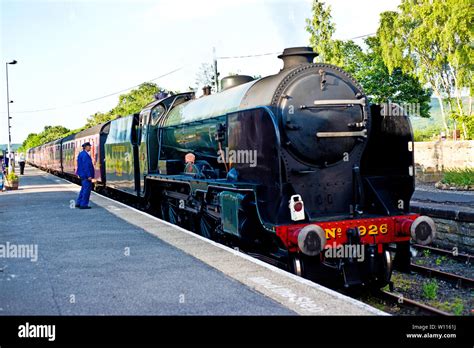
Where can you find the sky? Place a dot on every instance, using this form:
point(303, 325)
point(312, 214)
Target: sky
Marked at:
point(71, 53)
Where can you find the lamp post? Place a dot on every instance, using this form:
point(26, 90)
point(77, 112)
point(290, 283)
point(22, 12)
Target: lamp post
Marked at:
point(9, 118)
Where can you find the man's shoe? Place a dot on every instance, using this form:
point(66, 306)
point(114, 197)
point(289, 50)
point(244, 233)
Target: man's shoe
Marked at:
point(84, 207)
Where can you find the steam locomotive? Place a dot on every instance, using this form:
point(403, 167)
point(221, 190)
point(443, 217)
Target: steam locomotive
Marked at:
point(289, 168)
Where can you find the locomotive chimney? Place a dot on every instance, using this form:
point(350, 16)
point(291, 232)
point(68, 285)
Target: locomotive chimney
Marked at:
point(294, 56)
point(206, 90)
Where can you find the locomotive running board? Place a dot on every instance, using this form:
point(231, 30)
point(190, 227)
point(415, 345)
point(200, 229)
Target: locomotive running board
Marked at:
point(362, 133)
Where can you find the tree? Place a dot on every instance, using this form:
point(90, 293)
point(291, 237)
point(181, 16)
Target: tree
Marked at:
point(380, 84)
point(133, 101)
point(206, 77)
point(31, 140)
point(383, 86)
point(129, 103)
point(98, 118)
point(49, 133)
point(430, 39)
point(321, 29)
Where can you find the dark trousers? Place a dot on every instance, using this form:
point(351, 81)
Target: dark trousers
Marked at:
point(84, 195)
point(22, 167)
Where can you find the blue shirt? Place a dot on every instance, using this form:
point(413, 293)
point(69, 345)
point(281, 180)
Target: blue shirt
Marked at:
point(85, 168)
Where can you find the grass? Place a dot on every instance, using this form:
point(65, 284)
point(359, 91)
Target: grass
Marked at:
point(459, 177)
point(401, 283)
point(456, 307)
point(430, 290)
point(376, 304)
point(440, 260)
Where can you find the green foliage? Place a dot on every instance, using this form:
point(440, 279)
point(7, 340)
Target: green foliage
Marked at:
point(440, 260)
point(431, 39)
point(98, 118)
point(430, 290)
point(401, 282)
point(420, 262)
point(31, 140)
point(49, 133)
point(459, 177)
point(321, 29)
point(74, 131)
point(456, 307)
point(426, 134)
point(469, 125)
point(382, 85)
point(11, 176)
point(368, 68)
point(129, 103)
point(133, 101)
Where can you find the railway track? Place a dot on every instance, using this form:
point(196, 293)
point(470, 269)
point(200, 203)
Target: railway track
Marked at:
point(455, 279)
point(462, 257)
point(458, 280)
point(399, 300)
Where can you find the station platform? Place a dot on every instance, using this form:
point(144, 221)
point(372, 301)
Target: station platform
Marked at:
point(116, 260)
point(443, 204)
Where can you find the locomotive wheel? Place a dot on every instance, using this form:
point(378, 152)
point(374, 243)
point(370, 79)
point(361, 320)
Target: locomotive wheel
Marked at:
point(295, 265)
point(303, 266)
point(402, 258)
point(384, 270)
point(310, 267)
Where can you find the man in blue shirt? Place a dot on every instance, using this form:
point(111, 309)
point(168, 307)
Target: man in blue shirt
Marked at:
point(85, 171)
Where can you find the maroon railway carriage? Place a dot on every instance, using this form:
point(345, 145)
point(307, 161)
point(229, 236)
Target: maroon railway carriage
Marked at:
point(51, 156)
point(72, 145)
point(60, 156)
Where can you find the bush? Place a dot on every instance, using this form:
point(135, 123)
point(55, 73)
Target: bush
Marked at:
point(426, 134)
point(459, 177)
point(11, 177)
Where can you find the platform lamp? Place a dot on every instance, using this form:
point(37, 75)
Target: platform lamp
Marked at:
point(9, 118)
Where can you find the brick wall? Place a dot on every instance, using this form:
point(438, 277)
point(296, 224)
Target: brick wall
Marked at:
point(452, 233)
